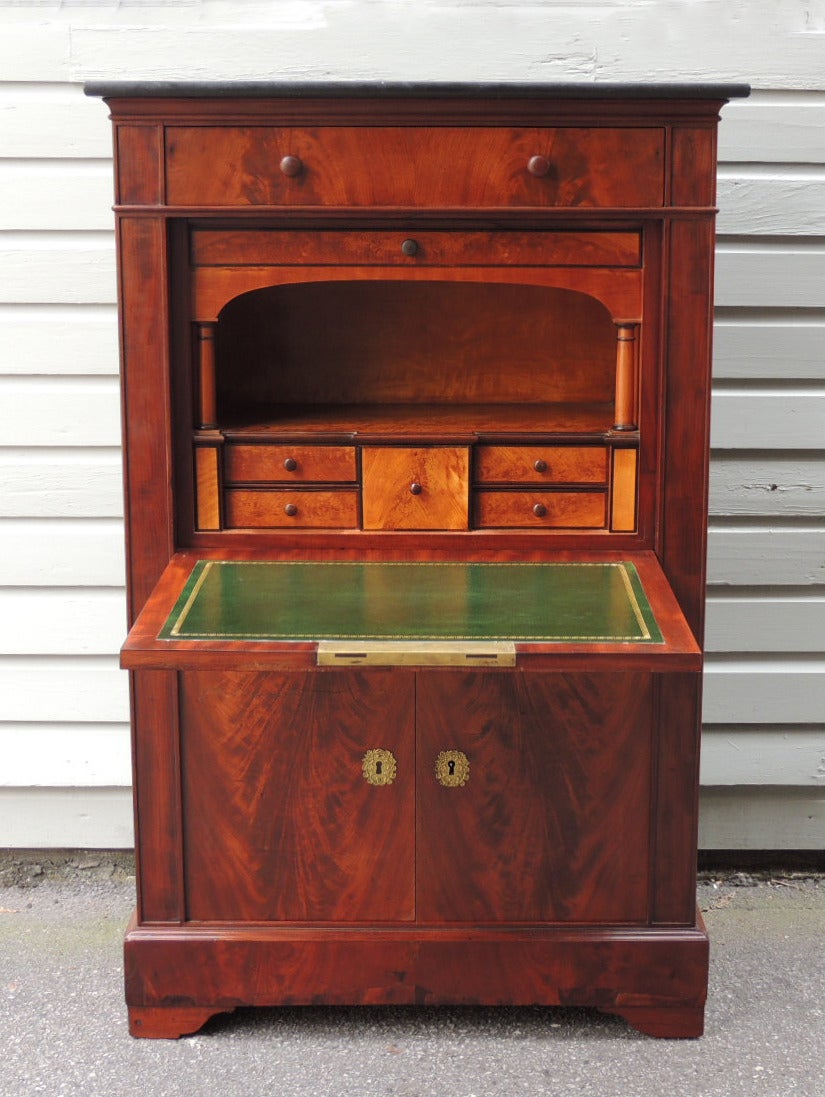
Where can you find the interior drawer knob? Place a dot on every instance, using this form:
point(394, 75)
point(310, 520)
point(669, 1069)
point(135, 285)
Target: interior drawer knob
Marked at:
point(540, 510)
point(540, 465)
point(538, 166)
point(409, 248)
point(415, 488)
point(291, 510)
point(292, 166)
point(290, 464)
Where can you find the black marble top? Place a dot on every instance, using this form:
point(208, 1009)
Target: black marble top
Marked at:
point(422, 90)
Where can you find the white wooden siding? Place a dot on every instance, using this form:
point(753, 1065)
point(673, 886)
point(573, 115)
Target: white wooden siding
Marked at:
point(758, 204)
point(786, 128)
point(737, 556)
point(64, 754)
point(774, 274)
point(765, 484)
point(57, 268)
point(764, 346)
point(55, 483)
point(51, 553)
point(86, 335)
point(66, 818)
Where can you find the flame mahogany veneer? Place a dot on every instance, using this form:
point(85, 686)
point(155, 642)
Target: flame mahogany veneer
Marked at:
point(416, 323)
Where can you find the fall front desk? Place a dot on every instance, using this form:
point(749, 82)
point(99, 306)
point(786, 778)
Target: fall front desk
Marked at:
point(415, 388)
point(419, 782)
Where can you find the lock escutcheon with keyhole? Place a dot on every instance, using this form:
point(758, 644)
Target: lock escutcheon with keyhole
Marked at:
point(452, 768)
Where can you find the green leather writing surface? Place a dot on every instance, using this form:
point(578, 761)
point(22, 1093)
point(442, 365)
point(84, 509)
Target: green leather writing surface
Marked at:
point(263, 600)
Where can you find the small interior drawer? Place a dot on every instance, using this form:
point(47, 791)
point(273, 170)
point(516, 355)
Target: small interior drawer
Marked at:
point(423, 487)
point(537, 509)
point(414, 166)
point(256, 509)
point(250, 463)
point(541, 464)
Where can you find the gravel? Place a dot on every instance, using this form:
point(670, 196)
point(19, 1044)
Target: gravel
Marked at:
point(64, 1031)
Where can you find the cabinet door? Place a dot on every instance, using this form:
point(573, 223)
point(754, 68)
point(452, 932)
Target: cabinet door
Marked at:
point(280, 819)
point(552, 820)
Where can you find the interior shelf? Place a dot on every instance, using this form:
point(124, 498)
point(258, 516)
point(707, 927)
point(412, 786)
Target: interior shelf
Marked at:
point(429, 421)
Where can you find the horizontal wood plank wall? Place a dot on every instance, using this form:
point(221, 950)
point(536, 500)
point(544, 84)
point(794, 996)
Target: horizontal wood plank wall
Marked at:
point(763, 765)
point(64, 750)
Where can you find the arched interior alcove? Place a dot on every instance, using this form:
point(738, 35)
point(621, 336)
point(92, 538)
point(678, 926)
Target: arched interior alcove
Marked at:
point(356, 344)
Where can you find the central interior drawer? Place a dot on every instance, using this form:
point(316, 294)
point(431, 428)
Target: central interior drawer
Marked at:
point(422, 487)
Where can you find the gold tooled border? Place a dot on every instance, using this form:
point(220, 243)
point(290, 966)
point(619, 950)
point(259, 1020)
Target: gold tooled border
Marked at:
point(634, 601)
point(190, 601)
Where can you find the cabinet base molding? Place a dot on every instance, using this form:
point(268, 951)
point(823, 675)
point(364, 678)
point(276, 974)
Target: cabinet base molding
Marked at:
point(170, 1022)
point(177, 977)
point(665, 1022)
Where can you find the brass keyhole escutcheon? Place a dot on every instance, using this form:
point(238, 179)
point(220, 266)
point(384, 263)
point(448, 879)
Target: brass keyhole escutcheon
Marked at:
point(452, 768)
point(379, 767)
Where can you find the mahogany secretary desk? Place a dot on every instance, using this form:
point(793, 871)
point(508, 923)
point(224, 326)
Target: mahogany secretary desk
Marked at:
point(415, 392)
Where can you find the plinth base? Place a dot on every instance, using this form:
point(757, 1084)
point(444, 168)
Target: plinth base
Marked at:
point(179, 977)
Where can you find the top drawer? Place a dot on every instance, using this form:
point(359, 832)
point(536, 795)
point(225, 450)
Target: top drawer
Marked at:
point(413, 166)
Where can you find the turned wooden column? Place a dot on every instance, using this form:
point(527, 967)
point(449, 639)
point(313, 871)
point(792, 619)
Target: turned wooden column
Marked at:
point(625, 409)
point(207, 457)
point(207, 406)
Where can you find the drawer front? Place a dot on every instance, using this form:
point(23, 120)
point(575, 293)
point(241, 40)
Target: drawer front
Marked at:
point(291, 509)
point(538, 510)
point(415, 488)
point(299, 247)
point(541, 464)
point(414, 166)
point(250, 463)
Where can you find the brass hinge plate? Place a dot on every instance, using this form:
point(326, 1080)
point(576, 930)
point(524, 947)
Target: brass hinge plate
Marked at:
point(416, 653)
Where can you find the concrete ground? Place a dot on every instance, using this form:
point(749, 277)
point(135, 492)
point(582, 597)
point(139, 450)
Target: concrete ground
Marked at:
point(63, 1023)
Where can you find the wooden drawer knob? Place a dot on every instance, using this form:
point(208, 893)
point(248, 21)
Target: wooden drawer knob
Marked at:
point(291, 166)
point(540, 465)
point(540, 510)
point(291, 510)
point(290, 464)
point(409, 248)
point(415, 488)
point(538, 166)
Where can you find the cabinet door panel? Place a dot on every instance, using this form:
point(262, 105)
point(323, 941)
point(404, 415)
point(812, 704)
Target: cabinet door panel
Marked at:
point(552, 823)
point(280, 821)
